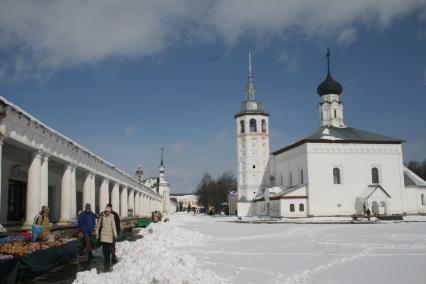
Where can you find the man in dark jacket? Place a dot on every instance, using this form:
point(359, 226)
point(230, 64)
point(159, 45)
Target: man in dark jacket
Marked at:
point(118, 227)
point(86, 225)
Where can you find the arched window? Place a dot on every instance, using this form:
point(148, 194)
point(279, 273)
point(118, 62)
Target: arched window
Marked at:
point(336, 176)
point(263, 126)
point(292, 207)
point(301, 207)
point(374, 175)
point(301, 176)
point(242, 126)
point(290, 178)
point(422, 197)
point(253, 125)
point(335, 113)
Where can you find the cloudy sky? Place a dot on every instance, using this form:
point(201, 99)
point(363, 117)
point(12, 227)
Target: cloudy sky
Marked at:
point(125, 78)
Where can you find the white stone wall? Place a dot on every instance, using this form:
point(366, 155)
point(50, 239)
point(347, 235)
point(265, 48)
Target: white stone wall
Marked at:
point(285, 208)
point(412, 203)
point(292, 162)
point(355, 162)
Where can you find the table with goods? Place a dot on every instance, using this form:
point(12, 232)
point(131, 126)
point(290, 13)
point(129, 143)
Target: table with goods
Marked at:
point(21, 258)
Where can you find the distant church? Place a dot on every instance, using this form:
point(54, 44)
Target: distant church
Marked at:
point(335, 171)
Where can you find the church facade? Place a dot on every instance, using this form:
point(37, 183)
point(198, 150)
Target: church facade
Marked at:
point(335, 171)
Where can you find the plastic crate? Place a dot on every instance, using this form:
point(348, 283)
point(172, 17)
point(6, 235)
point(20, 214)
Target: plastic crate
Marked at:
point(143, 223)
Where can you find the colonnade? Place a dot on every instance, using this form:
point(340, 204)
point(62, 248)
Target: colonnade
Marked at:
point(102, 182)
point(122, 196)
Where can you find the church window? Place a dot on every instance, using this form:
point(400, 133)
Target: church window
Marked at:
point(335, 113)
point(336, 176)
point(292, 207)
point(322, 116)
point(263, 126)
point(253, 125)
point(301, 176)
point(291, 178)
point(374, 175)
point(242, 126)
point(301, 207)
point(422, 197)
point(281, 176)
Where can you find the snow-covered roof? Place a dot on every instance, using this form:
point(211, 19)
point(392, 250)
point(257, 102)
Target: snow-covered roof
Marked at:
point(368, 191)
point(62, 136)
point(411, 179)
point(331, 134)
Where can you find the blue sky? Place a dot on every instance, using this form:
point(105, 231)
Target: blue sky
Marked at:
point(126, 78)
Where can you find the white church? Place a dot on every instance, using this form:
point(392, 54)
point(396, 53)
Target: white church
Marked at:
point(336, 170)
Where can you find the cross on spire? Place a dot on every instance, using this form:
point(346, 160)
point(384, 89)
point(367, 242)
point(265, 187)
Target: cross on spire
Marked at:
point(328, 59)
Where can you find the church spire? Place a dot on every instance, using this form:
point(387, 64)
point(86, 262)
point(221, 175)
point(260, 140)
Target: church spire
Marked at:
point(251, 88)
point(162, 163)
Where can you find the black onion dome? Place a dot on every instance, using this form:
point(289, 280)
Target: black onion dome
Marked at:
point(329, 86)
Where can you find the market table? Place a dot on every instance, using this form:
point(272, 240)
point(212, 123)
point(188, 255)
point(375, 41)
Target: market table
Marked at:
point(36, 263)
point(45, 260)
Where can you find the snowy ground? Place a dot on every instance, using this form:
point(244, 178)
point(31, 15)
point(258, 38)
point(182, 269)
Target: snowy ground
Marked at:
point(202, 249)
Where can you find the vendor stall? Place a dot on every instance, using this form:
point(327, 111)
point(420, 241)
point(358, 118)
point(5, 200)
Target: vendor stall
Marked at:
point(23, 260)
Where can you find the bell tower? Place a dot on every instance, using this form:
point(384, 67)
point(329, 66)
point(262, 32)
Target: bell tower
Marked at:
point(330, 107)
point(252, 124)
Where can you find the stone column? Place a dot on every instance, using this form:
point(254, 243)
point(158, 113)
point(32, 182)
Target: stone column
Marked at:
point(103, 195)
point(93, 191)
point(65, 195)
point(123, 202)
point(132, 199)
point(115, 198)
point(73, 193)
point(137, 203)
point(44, 183)
point(87, 190)
point(3, 215)
point(33, 188)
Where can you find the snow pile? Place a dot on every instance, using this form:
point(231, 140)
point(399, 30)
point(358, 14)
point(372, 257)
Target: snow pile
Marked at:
point(159, 257)
point(326, 134)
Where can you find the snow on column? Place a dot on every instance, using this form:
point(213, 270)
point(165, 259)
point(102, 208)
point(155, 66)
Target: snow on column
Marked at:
point(115, 197)
point(44, 183)
point(87, 190)
point(103, 194)
point(73, 192)
point(33, 188)
point(123, 202)
point(132, 200)
point(65, 194)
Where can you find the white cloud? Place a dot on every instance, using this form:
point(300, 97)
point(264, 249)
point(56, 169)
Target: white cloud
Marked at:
point(45, 36)
point(347, 36)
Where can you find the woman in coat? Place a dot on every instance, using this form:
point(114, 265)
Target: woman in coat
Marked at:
point(106, 232)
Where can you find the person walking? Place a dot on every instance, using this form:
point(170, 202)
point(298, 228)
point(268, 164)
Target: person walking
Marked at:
point(118, 228)
point(86, 225)
point(106, 232)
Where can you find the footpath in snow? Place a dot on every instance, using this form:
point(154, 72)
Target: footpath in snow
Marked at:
point(203, 249)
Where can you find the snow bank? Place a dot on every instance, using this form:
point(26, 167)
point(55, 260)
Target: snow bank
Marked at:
point(159, 257)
